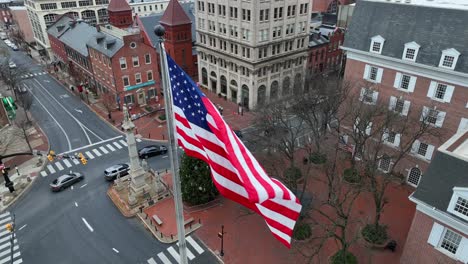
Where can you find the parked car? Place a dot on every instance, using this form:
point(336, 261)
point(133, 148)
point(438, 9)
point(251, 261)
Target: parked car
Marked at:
point(12, 65)
point(14, 47)
point(151, 150)
point(66, 180)
point(120, 170)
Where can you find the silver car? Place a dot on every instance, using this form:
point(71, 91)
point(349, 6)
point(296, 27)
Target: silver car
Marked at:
point(120, 170)
point(66, 180)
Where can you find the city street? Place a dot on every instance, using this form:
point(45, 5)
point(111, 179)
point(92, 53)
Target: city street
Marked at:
point(81, 224)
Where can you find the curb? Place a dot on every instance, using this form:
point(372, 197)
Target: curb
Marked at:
point(218, 257)
point(127, 215)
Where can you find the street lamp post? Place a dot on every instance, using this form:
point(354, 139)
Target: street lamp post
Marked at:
point(221, 235)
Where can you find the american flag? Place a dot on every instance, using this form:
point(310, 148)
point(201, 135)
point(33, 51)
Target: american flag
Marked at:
point(203, 134)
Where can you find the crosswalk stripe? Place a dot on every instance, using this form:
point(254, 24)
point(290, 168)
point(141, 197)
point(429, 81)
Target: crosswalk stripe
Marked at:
point(174, 254)
point(117, 145)
point(103, 150)
point(51, 169)
point(8, 251)
point(17, 254)
point(164, 259)
point(67, 163)
point(43, 173)
point(195, 245)
point(89, 155)
point(18, 261)
point(109, 146)
point(189, 253)
point(123, 142)
point(4, 214)
point(8, 244)
point(7, 238)
point(97, 152)
point(59, 166)
point(139, 140)
point(5, 220)
point(76, 161)
point(152, 261)
point(4, 233)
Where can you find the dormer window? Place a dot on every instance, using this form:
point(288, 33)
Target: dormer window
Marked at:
point(459, 203)
point(377, 44)
point(411, 51)
point(449, 58)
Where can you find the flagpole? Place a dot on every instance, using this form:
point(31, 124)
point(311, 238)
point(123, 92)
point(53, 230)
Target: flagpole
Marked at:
point(159, 31)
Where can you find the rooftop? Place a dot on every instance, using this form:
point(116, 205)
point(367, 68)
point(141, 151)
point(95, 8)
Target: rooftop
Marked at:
point(174, 15)
point(118, 5)
point(454, 4)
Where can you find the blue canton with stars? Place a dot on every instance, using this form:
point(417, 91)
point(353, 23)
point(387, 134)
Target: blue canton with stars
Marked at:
point(186, 95)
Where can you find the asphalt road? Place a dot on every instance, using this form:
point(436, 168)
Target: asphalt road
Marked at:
point(80, 224)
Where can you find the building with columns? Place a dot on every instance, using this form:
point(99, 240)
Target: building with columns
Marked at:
point(252, 52)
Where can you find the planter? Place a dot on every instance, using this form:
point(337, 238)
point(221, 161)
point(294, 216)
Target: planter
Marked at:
point(375, 236)
point(339, 258)
point(351, 176)
point(161, 119)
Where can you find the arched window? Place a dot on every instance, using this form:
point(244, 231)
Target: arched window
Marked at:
point(274, 91)
point(223, 85)
point(414, 176)
point(89, 16)
point(49, 19)
point(261, 95)
point(204, 73)
point(286, 86)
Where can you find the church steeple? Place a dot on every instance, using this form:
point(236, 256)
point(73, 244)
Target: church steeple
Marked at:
point(120, 13)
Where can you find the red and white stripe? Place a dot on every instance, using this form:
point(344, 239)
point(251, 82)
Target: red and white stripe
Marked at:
point(236, 173)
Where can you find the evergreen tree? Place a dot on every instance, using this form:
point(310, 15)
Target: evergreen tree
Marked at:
point(197, 185)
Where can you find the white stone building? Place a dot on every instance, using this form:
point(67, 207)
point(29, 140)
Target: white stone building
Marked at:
point(252, 51)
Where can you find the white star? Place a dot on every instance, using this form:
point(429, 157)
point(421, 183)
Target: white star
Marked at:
point(178, 84)
point(170, 69)
point(185, 81)
point(189, 106)
point(183, 109)
point(185, 98)
point(180, 101)
point(193, 114)
point(196, 96)
point(202, 118)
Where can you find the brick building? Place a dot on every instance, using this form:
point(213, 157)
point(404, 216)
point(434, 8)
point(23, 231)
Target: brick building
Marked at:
point(120, 13)
point(20, 21)
point(413, 68)
point(439, 232)
point(5, 14)
point(329, 6)
point(324, 52)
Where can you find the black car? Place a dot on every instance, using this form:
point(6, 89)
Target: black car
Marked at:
point(151, 150)
point(120, 170)
point(66, 180)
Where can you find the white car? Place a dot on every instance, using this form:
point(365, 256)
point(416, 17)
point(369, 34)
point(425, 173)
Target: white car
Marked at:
point(12, 65)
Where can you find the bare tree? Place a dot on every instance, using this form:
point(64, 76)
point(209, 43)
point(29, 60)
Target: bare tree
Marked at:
point(25, 99)
point(11, 74)
point(108, 101)
point(17, 35)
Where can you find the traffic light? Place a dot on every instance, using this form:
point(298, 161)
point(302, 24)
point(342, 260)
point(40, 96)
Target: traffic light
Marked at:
point(51, 155)
point(82, 158)
point(9, 227)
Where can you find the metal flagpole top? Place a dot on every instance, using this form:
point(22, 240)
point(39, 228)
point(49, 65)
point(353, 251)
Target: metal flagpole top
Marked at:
point(159, 32)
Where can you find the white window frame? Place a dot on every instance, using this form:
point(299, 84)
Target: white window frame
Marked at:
point(154, 93)
point(123, 61)
point(414, 46)
point(435, 239)
point(368, 128)
point(398, 81)
point(148, 55)
point(123, 78)
point(375, 96)
point(139, 77)
point(132, 96)
point(431, 92)
point(409, 173)
point(458, 192)
point(152, 77)
point(406, 105)
point(396, 141)
point(440, 116)
point(368, 71)
point(137, 60)
point(463, 126)
point(389, 164)
point(429, 151)
point(377, 39)
point(449, 52)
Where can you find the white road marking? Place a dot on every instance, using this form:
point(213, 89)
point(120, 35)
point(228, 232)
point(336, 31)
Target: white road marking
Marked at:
point(59, 166)
point(138, 140)
point(86, 223)
point(6, 238)
point(97, 152)
point(55, 120)
point(76, 204)
point(43, 173)
point(151, 261)
point(109, 146)
point(67, 163)
point(22, 227)
point(189, 253)
point(71, 187)
point(19, 261)
point(89, 155)
point(117, 145)
point(76, 161)
point(195, 245)
point(6, 232)
point(7, 252)
point(51, 169)
point(83, 185)
point(174, 254)
point(123, 142)
point(103, 150)
point(164, 259)
point(4, 214)
point(116, 251)
point(5, 260)
point(5, 220)
point(90, 145)
point(79, 111)
point(8, 244)
point(164, 157)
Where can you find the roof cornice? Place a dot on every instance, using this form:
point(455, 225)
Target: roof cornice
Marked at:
point(431, 72)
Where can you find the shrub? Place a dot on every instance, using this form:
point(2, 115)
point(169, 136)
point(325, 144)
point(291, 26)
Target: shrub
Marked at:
point(351, 175)
point(149, 108)
point(341, 257)
point(317, 158)
point(302, 232)
point(375, 234)
point(162, 117)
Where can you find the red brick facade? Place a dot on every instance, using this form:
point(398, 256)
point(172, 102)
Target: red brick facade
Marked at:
point(328, 56)
point(57, 48)
point(179, 45)
point(417, 250)
point(328, 5)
